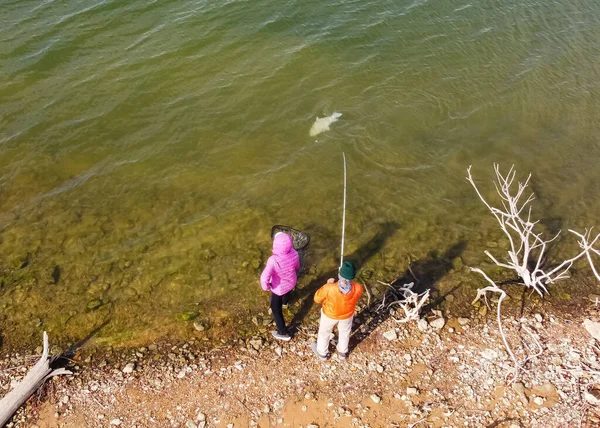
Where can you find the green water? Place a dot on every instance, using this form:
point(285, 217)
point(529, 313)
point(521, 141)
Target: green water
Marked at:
point(148, 147)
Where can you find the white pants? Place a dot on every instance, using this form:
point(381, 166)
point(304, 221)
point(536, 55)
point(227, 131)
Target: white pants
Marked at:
point(326, 326)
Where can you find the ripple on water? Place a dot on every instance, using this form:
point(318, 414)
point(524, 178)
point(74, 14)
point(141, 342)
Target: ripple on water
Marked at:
point(149, 147)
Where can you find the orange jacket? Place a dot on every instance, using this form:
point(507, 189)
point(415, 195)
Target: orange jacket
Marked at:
point(337, 305)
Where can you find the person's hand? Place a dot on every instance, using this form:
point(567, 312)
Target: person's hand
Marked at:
point(330, 281)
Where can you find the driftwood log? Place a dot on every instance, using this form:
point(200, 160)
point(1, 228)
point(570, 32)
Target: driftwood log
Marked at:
point(38, 374)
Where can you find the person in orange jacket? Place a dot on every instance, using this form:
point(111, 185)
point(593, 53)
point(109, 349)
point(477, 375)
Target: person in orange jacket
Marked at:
point(338, 304)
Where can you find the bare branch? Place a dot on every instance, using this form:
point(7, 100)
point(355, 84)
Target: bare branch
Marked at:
point(411, 303)
point(526, 245)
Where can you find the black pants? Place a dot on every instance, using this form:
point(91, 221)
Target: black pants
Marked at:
point(276, 307)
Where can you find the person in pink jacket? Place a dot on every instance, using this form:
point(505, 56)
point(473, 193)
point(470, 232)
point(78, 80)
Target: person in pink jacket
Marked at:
point(280, 277)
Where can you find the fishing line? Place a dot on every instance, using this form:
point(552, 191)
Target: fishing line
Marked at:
point(343, 214)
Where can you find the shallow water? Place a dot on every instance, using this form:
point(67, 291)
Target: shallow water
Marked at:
point(148, 147)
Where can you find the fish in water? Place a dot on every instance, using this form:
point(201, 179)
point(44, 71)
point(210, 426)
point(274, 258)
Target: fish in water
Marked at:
point(322, 124)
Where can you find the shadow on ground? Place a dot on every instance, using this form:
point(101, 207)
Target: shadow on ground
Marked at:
point(425, 274)
point(305, 295)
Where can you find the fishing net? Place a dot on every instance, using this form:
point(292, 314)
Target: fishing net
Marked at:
point(299, 238)
point(300, 241)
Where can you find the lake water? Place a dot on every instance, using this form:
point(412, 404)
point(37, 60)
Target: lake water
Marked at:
point(148, 147)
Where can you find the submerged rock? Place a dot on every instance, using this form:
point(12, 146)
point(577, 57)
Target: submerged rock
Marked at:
point(457, 264)
point(199, 326)
point(188, 316)
point(94, 304)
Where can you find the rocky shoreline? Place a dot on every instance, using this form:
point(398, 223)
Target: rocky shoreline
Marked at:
point(445, 371)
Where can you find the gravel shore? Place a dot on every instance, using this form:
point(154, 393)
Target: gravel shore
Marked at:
point(446, 372)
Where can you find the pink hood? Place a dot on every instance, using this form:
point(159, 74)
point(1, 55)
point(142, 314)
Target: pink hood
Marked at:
point(282, 244)
point(279, 275)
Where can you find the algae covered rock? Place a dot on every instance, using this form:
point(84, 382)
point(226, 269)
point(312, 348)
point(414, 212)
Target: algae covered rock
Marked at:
point(457, 264)
point(93, 304)
point(188, 315)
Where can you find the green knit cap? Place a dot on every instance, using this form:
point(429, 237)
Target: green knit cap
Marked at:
point(347, 271)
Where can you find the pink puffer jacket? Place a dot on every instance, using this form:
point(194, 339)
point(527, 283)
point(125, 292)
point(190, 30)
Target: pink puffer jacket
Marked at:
point(279, 275)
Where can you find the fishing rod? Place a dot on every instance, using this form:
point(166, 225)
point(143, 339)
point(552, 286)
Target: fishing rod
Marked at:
point(343, 213)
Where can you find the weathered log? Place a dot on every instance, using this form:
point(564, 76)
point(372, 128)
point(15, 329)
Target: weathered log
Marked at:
point(38, 374)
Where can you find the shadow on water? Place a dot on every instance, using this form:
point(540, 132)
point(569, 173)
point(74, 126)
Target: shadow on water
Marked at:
point(67, 356)
point(553, 224)
point(425, 274)
point(306, 294)
point(56, 273)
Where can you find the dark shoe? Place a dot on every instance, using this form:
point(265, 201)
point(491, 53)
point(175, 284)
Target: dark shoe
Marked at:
point(280, 336)
point(313, 346)
point(342, 355)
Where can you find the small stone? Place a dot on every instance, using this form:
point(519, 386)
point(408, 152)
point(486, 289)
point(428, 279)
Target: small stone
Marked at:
point(65, 399)
point(489, 354)
point(518, 387)
point(201, 417)
point(412, 391)
point(591, 398)
point(304, 408)
point(449, 298)
point(181, 374)
point(312, 426)
point(438, 323)
point(594, 298)
point(191, 424)
point(593, 328)
point(153, 347)
point(538, 317)
point(129, 368)
point(545, 390)
point(538, 400)
point(375, 398)
point(390, 335)
point(100, 416)
point(422, 324)
point(116, 422)
point(308, 396)
point(256, 343)
point(278, 405)
point(463, 321)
